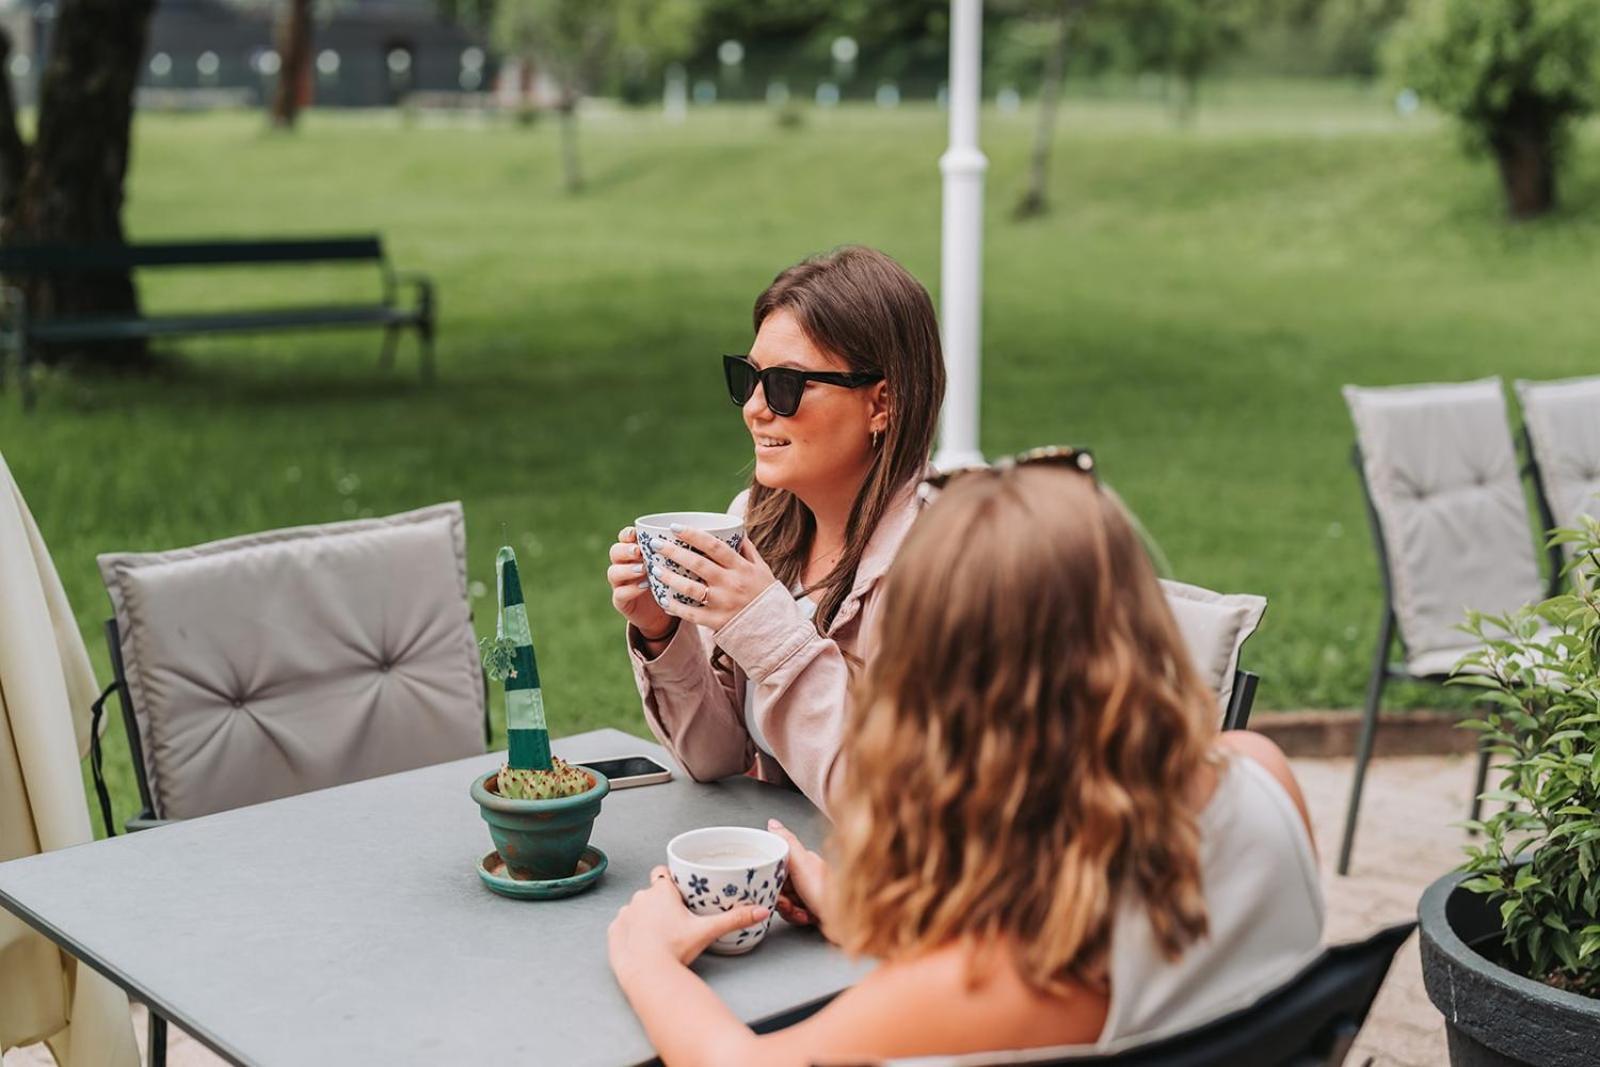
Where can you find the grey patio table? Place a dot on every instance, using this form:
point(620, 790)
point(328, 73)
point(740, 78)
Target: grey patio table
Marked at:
point(348, 925)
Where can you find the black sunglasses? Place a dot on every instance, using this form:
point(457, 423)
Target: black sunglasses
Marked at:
point(782, 386)
point(1080, 460)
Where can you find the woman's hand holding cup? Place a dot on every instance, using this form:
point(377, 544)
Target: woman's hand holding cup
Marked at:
point(804, 894)
point(630, 591)
point(721, 581)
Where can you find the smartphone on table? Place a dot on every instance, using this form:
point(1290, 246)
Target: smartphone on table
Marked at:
point(625, 772)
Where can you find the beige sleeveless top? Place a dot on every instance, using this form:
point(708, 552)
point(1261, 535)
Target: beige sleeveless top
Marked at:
point(1265, 910)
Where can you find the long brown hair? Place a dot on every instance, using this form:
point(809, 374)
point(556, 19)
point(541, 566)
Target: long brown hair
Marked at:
point(861, 307)
point(1019, 752)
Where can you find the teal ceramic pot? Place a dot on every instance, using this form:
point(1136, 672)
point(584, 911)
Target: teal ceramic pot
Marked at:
point(540, 839)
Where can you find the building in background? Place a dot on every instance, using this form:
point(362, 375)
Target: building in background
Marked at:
point(206, 53)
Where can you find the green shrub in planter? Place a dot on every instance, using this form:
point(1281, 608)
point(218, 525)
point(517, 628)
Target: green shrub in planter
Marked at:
point(1540, 679)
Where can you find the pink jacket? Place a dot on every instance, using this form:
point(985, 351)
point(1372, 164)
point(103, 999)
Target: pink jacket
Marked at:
point(696, 709)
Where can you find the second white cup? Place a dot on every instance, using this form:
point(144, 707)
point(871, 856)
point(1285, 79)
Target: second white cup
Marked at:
point(719, 868)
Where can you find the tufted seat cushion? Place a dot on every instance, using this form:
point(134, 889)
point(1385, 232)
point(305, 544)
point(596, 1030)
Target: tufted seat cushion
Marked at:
point(274, 663)
point(1563, 422)
point(1443, 478)
point(1215, 626)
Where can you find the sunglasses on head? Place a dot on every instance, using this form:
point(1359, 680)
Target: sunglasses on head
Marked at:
point(782, 387)
point(1080, 460)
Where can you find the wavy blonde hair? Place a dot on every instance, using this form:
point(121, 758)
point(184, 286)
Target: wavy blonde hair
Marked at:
point(1019, 752)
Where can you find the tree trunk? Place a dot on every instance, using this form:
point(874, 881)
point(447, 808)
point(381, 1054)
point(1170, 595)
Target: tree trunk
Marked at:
point(1188, 98)
point(1034, 201)
point(294, 69)
point(72, 188)
point(13, 153)
point(569, 142)
point(1526, 157)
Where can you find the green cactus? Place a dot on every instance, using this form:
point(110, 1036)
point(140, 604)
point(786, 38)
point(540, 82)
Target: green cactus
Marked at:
point(561, 780)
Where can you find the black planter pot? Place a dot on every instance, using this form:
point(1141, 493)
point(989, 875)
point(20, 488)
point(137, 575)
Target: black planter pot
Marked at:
point(1494, 1017)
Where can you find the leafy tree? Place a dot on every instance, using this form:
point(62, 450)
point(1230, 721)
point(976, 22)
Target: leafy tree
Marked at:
point(1179, 38)
point(1054, 22)
point(1353, 32)
point(1183, 39)
point(580, 43)
point(1516, 73)
point(900, 36)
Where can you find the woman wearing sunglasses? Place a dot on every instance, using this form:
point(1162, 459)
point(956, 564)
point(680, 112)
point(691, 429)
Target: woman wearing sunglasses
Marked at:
point(840, 392)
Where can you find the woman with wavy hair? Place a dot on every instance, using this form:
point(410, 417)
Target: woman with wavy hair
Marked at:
point(1039, 831)
point(840, 392)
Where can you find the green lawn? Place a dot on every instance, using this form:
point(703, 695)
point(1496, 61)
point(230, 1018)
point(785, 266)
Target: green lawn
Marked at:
point(1189, 309)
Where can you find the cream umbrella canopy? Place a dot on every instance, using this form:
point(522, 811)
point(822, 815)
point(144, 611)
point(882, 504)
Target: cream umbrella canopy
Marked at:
point(961, 254)
point(46, 686)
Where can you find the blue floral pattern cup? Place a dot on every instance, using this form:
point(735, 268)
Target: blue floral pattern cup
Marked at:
point(726, 528)
point(719, 868)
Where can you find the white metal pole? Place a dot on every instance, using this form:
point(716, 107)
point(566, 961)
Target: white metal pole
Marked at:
point(961, 267)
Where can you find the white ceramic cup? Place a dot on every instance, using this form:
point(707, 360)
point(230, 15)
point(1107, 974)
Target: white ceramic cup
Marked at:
point(726, 528)
point(719, 868)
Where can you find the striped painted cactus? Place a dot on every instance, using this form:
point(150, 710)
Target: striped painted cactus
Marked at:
point(530, 771)
point(509, 660)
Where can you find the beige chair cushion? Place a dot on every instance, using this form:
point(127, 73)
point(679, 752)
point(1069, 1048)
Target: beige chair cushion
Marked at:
point(278, 662)
point(1444, 481)
point(1563, 421)
point(1215, 626)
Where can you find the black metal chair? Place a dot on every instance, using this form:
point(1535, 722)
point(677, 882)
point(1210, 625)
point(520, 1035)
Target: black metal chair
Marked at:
point(148, 818)
point(1562, 455)
point(1310, 1021)
point(428, 545)
point(1384, 671)
point(1460, 481)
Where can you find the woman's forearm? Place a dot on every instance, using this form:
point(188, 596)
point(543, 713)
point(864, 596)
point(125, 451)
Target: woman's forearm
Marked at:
point(686, 1022)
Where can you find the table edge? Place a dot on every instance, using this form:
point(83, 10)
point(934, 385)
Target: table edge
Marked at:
point(70, 946)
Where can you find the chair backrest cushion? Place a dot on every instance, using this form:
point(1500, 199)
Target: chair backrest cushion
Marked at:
point(1215, 626)
point(1443, 478)
point(274, 663)
point(1563, 423)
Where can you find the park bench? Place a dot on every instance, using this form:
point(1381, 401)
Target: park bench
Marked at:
point(23, 331)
